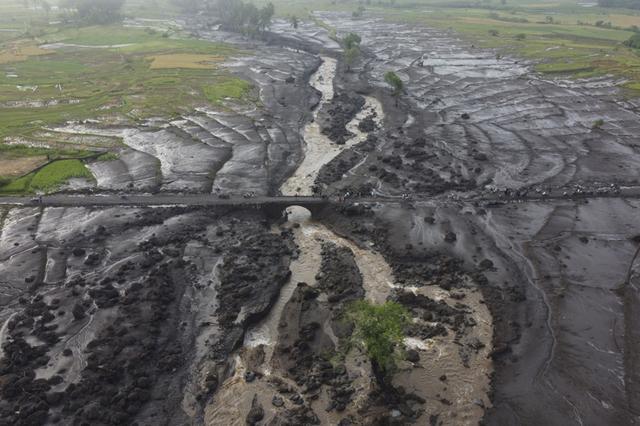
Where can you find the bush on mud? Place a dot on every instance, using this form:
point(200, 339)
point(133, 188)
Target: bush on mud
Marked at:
point(379, 330)
point(351, 44)
point(392, 79)
point(351, 40)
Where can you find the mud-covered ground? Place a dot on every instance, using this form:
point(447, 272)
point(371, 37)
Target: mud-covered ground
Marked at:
point(558, 274)
point(524, 308)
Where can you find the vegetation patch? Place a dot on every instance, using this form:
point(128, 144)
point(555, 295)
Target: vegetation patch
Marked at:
point(12, 152)
point(379, 330)
point(20, 52)
point(108, 156)
point(75, 83)
point(48, 178)
point(58, 173)
point(231, 88)
point(185, 60)
point(17, 161)
point(564, 68)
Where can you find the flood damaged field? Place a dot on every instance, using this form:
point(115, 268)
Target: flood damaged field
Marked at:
point(482, 200)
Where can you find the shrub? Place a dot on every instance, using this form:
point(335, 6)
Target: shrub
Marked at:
point(634, 41)
point(351, 40)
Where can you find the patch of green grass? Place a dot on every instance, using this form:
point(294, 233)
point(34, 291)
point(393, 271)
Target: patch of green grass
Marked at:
point(108, 156)
point(17, 186)
point(233, 88)
point(565, 68)
point(48, 178)
point(102, 82)
point(55, 174)
point(633, 86)
point(17, 151)
point(105, 35)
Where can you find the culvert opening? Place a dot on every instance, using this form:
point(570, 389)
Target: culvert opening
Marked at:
point(297, 214)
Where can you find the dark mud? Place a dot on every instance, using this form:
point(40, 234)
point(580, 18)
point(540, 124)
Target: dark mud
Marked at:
point(525, 309)
point(337, 114)
point(551, 271)
point(106, 332)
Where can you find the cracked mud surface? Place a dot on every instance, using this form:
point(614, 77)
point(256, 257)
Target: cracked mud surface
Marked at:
point(524, 309)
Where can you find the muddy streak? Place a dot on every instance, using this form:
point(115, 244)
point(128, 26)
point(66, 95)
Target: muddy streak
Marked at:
point(377, 279)
point(232, 401)
point(319, 149)
point(303, 269)
point(309, 237)
point(460, 398)
point(316, 144)
point(3, 332)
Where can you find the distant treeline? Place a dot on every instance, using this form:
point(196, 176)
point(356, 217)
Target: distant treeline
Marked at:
point(233, 15)
point(629, 4)
point(94, 11)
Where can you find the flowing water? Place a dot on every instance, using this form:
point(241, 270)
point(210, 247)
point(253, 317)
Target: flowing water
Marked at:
point(319, 149)
point(466, 388)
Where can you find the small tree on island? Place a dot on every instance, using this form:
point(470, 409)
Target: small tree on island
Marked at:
point(351, 43)
point(350, 56)
point(379, 330)
point(392, 79)
point(294, 22)
point(351, 40)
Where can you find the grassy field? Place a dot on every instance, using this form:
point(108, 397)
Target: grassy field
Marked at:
point(126, 72)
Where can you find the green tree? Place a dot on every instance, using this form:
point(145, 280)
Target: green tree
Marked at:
point(294, 22)
point(238, 16)
point(351, 55)
point(351, 40)
point(633, 42)
point(96, 11)
point(358, 12)
point(266, 14)
point(379, 330)
point(351, 44)
point(392, 79)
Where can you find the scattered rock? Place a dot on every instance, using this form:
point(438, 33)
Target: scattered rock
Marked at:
point(412, 356)
point(256, 413)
